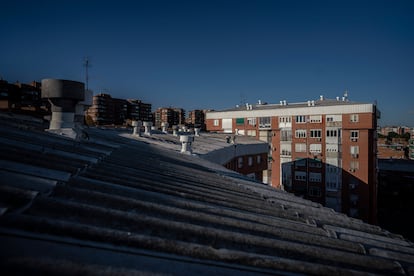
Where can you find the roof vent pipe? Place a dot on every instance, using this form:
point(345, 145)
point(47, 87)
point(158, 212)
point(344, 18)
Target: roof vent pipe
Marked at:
point(164, 126)
point(197, 131)
point(337, 98)
point(313, 103)
point(309, 103)
point(284, 102)
point(321, 97)
point(147, 126)
point(186, 141)
point(63, 95)
point(281, 102)
point(137, 127)
point(175, 130)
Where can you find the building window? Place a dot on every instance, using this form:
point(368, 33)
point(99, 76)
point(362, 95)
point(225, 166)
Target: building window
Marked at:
point(239, 121)
point(354, 135)
point(250, 161)
point(300, 133)
point(333, 133)
point(315, 177)
point(216, 122)
point(354, 151)
point(251, 121)
point(259, 159)
point(315, 133)
point(285, 119)
point(300, 176)
point(354, 118)
point(286, 149)
point(251, 133)
point(264, 122)
point(286, 135)
point(240, 162)
point(315, 118)
point(300, 119)
point(354, 165)
point(315, 148)
point(315, 191)
point(315, 164)
point(300, 147)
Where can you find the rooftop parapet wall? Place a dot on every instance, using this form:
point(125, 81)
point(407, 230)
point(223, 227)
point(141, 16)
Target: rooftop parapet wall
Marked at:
point(275, 110)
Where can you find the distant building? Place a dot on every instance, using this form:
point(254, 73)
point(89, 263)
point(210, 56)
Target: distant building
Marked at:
point(196, 118)
point(172, 116)
point(323, 150)
point(395, 195)
point(106, 110)
point(23, 98)
point(139, 111)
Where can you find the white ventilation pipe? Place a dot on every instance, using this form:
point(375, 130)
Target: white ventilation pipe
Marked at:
point(186, 141)
point(147, 126)
point(164, 126)
point(175, 130)
point(197, 131)
point(63, 96)
point(137, 127)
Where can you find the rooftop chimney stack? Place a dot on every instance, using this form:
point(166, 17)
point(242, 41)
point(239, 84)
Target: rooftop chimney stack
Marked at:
point(175, 130)
point(164, 126)
point(197, 131)
point(147, 126)
point(137, 127)
point(63, 96)
point(186, 141)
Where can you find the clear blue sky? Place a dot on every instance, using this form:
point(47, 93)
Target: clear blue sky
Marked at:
point(216, 54)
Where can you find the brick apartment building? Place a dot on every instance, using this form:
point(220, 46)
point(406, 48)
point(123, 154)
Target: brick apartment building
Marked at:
point(323, 150)
point(196, 118)
point(172, 116)
point(106, 110)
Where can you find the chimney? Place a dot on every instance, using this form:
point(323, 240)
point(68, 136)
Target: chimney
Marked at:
point(164, 126)
point(186, 141)
point(197, 131)
point(147, 126)
point(321, 97)
point(137, 128)
point(175, 130)
point(63, 96)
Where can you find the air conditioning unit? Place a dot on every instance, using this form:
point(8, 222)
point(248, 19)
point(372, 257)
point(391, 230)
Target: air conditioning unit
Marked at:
point(318, 139)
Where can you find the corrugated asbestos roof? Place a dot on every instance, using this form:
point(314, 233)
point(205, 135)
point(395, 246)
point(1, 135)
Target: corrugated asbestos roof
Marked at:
point(118, 206)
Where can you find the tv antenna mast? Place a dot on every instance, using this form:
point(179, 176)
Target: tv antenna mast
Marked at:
point(87, 65)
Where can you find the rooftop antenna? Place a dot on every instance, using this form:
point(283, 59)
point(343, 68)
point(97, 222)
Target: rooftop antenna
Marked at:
point(242, 99)
point(87, 65)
